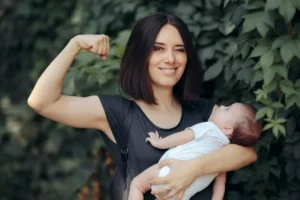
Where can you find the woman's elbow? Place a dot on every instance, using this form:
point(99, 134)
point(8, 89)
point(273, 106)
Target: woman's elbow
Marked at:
point(34, 104)
point(252, 155)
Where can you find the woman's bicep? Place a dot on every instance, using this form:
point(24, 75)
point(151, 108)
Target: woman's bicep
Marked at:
point(79, 112)
point(236, 156)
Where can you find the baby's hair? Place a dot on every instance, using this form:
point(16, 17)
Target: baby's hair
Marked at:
point(248, 130)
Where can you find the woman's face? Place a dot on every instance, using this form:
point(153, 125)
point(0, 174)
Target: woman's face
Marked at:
point(168, 59)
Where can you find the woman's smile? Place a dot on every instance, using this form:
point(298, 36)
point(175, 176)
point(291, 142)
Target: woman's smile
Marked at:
point(168, 71)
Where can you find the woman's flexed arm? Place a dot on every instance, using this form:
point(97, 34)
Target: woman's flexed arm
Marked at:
point(46, 97)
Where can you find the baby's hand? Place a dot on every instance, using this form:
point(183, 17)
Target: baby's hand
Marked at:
point(154, 139)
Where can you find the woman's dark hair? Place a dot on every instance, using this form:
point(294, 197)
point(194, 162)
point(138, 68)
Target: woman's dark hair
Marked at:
point(134, 73)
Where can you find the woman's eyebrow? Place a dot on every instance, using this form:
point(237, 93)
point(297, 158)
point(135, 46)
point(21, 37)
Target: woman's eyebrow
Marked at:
point(161, 43)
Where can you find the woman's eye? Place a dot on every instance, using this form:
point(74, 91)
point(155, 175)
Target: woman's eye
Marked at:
point(157, 48)
point(181, 50)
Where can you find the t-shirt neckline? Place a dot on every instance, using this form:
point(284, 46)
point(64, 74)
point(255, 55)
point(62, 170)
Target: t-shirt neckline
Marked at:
point(157, 127)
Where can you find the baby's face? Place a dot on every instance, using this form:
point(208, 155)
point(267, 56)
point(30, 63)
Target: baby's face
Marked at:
point(229, 115)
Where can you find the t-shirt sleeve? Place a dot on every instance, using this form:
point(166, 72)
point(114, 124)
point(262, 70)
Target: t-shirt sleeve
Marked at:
point(116, 109)
point(204, 106)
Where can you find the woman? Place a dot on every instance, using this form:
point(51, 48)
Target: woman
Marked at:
point(161, 73)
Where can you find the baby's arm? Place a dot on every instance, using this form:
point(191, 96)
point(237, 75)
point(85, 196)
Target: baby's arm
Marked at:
point(219, 186)
point(140, 184)
point(173, 140)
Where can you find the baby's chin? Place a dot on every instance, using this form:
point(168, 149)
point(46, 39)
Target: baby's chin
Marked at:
point(216, 107)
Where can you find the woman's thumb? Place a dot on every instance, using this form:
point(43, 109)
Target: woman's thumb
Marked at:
point(166, 162)
point(103, 56)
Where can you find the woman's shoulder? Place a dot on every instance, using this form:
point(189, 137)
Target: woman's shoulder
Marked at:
point(114, 99)
point(201, 102)
point(115, 103)
point(202, 106)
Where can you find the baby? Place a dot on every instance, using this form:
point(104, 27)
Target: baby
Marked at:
point(233, 124)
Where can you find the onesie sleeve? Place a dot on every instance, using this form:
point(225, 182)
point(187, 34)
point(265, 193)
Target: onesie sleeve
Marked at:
point(204, 106)
point(116, 109)
point(201, 130)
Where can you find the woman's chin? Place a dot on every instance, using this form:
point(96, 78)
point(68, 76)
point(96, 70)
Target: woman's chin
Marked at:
point(166, 84)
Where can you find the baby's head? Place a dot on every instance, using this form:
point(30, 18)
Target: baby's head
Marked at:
point(238, 123)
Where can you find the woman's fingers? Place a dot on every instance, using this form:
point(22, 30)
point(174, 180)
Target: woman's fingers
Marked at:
point(179, 195)
point(161, 191)
point(98, 44)
point(172, 193)
point(95, 47)
point(107, 45)
point(165, 162)
point(101, 43)
point(158, 181)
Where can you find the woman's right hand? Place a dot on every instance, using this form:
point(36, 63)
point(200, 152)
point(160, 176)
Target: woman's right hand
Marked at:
point(98, 44)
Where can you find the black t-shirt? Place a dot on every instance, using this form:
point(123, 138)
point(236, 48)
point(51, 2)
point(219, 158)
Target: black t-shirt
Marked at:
point(127, 120)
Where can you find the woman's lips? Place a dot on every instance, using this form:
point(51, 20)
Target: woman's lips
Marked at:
point(168, 71)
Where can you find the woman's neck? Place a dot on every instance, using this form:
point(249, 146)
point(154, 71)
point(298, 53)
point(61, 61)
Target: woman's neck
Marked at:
point(164, 98)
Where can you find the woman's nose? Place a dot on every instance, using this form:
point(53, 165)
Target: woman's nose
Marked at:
point(170, 58)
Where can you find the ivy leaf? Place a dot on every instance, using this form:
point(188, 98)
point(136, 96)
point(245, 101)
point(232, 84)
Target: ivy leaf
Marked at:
point(295, 49)
point(286, 51)
point(269, 75)
point(272, 4)
point(248, 63)
point(213, 71)
point(267, 59)
point(296, 3)
point(225, 3)
point(245, 50)
point(275, 131)
point(275, 170)
point(269, 20)
point(290, 101)
point(298, 172)
point(268, 126)
point(287, 86)
point(270, 113)
point(297, 84)
point(278, 105)
point(297, 150)
point(229, 27)
point(272, 86)
point(249, 23)
point(263, 29)
point(261, 113)
point(279, 41)
point(287, 10)
point(261, 95)
point(265, 170)
point(228, 73)
point(245, 74)
point(258, 51)
point(281, 120)
point(281, 129)
point(291, 168)
point(258, 76)
point(281, 71)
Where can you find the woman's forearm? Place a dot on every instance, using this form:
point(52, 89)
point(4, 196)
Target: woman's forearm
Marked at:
point(49, 86)
point(227, 158)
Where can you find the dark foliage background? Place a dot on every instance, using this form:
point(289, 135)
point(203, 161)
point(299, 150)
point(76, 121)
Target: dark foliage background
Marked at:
point(250, 50)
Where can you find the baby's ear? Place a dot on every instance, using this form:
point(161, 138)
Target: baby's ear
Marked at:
point(228, 131)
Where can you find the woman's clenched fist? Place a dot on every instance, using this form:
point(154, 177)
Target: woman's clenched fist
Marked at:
point(98, 44)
